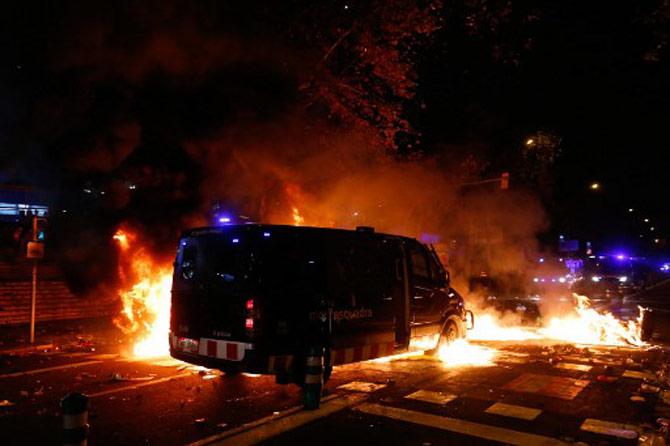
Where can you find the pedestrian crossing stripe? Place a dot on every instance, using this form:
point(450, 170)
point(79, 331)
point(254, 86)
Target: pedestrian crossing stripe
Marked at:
point(479, 430)
point(637, 375)
point(360, 386)
point(510, 410)
point(430, 396)
point(620, 430)
point(571, 366)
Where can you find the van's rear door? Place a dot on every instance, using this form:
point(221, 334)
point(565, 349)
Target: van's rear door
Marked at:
point(211, 283)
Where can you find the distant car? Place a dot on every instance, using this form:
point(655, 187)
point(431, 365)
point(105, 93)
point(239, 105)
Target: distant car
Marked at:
point(507, 300)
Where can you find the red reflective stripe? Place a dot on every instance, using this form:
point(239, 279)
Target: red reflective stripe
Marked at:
point(211, 348)
point(231, 350)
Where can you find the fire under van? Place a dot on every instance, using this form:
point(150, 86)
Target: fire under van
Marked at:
point(258, 298)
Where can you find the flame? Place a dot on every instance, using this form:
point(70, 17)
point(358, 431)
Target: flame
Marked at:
point(298, 220)
point(461, 353)
point(584, 325)
point(145, 313)
point(589, 326)
point(489, 328)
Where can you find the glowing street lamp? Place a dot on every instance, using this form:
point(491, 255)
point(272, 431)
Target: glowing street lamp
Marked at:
point(594, 186)
point(530, 142)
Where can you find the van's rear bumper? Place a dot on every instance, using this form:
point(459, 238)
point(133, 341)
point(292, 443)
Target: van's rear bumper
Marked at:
point(220, 354)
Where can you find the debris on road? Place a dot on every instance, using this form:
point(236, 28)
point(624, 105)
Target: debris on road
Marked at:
point(120, 377)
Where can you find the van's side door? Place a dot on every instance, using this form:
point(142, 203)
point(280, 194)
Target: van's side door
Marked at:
point(426, 294)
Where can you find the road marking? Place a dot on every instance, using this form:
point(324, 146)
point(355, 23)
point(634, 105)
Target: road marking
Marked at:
point(431, 397)
point(594, 360)
point(638, 375)
point(510, 410)
point(609, 428)
point(138, 385)
point(571, 366)
point(49, 369)
point(507, 436)
point(360, 386)
point(269, 427)
point(104, 356)
point(511, 360)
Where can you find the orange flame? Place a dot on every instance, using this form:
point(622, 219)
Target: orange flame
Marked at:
point(585, 325)
point(298, 220)
point(145, 313)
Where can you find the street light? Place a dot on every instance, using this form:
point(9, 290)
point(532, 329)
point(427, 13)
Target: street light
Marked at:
point(630, 209)
point(595, 185)
point(530, 142)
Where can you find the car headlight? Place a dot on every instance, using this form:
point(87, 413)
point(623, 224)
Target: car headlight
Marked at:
point(623, 279)
point(595, 278)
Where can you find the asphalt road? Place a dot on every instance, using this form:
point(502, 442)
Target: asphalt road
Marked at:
point(533, 393)
point(547, 394)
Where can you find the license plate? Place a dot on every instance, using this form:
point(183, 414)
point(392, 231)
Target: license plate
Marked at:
point(187, 345)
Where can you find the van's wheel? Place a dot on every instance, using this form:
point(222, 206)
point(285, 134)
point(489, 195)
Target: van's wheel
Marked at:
point(452, 331)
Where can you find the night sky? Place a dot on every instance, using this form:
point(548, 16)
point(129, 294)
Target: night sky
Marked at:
point(88, 91)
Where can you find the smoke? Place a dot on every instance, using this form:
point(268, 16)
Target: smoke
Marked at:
point(169, 111)
point(267, 170)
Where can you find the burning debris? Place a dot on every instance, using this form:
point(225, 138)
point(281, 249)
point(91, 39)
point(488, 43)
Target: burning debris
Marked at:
point(583, 325)
point(145, 296)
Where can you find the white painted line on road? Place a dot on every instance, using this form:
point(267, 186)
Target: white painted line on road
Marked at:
point(511, 360)
point(138, 385)
point(105, 356)
point(253, 424)
point(470, 428)
point(269, 427)
point(638, 375)
point(485, 431)
point(360, 386)
point(431, 397)
point(49, 369)
point(571, 366)
point(620, 430)
point(510, 410)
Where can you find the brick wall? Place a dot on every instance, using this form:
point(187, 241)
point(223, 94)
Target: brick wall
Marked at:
point(54, 302)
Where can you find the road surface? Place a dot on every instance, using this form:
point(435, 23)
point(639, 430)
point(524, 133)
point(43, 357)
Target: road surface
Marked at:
point(531, 394)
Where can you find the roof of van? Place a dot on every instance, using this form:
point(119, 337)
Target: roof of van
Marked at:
point(256, 227)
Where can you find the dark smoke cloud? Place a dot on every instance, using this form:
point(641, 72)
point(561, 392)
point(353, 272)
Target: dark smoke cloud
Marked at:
point(195, 107)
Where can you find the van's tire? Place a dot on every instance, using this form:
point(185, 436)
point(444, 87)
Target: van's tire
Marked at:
point(452, 330)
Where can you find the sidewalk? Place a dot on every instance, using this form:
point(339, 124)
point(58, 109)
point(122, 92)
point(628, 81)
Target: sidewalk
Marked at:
point(99, 334)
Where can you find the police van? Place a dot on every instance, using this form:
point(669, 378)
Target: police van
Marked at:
point(258, 298)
